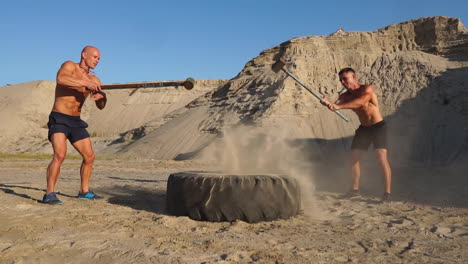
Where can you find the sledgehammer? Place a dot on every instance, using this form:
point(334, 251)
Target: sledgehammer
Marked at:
point(188, 84)
point(279, 65)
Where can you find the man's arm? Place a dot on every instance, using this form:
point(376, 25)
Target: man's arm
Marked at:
point(341, 99)
point(327, 102)
point(100, 98)
point(65, 78)
point(357, 102)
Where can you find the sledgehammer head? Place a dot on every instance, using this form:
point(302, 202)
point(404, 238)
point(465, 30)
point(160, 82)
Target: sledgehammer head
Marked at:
point(278, 65)
point(189, 83)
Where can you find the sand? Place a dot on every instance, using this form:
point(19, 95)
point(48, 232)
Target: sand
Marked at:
point(131, 225)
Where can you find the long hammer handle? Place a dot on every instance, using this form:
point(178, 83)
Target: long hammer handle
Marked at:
point(312, 92)
point(139, 85)
point(188, 84)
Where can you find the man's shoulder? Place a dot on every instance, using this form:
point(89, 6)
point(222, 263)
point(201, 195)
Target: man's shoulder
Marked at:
point(346, 93)
point(69, 65)
point(94, 77)
point(368, 88)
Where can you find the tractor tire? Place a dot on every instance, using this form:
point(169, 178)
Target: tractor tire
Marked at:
point(217, 197)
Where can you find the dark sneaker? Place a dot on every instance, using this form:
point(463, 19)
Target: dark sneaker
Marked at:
point(351, 194)
point(88, 196)
point(51, 198)
point(386, 198)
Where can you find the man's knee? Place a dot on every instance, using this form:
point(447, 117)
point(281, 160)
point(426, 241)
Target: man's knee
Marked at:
point(356, 155)
point(59, 157)
point(89, 157)
point(381, 154)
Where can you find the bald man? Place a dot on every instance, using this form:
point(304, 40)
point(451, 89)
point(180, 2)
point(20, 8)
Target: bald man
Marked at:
point(75, 83)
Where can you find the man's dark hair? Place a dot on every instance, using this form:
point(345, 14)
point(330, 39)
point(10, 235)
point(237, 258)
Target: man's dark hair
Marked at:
point(346, 70)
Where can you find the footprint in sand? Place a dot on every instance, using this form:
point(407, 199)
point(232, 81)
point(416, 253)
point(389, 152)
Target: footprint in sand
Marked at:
point(450, 231)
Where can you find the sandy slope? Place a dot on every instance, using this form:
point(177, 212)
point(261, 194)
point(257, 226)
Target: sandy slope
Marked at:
point(419, 69)
point(24, 110)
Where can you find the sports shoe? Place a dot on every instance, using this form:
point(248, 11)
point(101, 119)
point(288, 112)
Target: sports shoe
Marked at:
point(88, 196)
point(386, 198)
point(51, 198)
point(351, 194)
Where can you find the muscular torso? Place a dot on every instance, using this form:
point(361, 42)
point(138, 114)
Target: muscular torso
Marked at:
point(70, 100)
point(369, 113)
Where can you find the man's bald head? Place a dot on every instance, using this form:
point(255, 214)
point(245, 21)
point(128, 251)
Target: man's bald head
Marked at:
point(88, 49)
point(90, 57)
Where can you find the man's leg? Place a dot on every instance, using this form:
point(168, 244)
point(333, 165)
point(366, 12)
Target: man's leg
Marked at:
point(85, 148)
point(59, 145)
point(381, 155)
point(356, 155)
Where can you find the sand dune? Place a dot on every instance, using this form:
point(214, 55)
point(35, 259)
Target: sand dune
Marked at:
point(25, 108)
point(419, 69)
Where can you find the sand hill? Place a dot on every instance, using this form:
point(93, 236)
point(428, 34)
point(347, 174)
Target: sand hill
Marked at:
point(419, 69)
point(25, 108)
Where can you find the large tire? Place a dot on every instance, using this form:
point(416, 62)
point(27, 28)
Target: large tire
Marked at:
point(217, 198)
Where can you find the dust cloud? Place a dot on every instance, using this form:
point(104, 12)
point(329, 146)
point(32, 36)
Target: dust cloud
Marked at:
point(253, 150)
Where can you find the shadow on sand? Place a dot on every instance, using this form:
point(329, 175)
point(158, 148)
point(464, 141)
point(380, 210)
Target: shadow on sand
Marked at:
point(138, 198)
point(9, 189)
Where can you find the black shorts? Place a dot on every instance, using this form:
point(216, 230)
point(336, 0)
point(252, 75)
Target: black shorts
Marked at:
point(72, 126)
point(375, 134)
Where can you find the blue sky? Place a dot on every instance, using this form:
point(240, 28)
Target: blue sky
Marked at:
point(171, 40)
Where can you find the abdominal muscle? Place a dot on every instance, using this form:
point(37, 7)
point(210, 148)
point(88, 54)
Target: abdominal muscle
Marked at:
point(369, 114)
point(68, 101)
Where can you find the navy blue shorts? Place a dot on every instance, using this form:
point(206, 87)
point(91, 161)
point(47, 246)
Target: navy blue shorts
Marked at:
point(72, 126)
point(375, 134)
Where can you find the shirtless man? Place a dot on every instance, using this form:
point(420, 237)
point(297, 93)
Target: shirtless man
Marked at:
point(74, 84)
point(361, 98)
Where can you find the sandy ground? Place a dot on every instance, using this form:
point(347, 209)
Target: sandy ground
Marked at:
point(131, 225)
